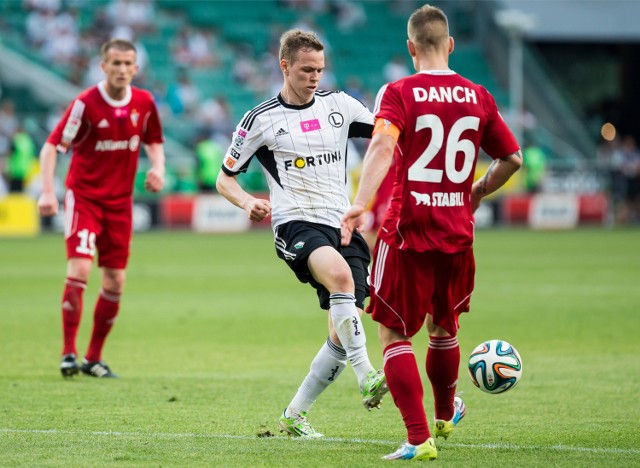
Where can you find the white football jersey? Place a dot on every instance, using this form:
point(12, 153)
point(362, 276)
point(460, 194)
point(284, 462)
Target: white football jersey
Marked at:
point(303, 153)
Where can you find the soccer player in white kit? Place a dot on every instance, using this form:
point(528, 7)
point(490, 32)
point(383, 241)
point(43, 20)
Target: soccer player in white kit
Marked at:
point(300, 139)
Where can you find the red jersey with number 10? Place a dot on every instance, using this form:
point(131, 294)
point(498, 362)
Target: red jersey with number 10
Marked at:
point(444, 120)
point(105, 136)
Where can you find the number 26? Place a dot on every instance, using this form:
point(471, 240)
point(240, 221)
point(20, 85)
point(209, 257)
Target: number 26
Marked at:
point(419, 171)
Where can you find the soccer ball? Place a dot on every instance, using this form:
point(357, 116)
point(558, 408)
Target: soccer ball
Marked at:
point(495, 366)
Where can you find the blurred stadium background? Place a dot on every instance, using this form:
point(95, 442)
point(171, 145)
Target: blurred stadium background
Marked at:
point(564, 74)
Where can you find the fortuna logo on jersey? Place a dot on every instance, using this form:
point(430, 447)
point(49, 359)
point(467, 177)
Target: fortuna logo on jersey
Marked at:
point(118, 145)
point(319, 160)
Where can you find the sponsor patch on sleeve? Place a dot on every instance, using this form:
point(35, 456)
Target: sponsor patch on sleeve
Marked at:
point(229, 162)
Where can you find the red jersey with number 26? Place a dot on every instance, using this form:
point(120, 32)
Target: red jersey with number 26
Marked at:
point(105, 136)
point(444, 120)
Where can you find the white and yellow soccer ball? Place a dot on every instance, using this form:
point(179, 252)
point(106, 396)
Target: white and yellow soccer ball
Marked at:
point(495, 366)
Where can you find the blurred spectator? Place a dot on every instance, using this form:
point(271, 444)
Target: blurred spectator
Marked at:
point(353, 87)
point(183, 97)
point(39, 26)
point(535, 167)
point(213, 116)
point(8, 119)
point(209, 156)
point(21, 159)
point(348, 14)
point(43, 5)
point(628, 166)
point(195, 48)
point(395, 69)
point(137, 15)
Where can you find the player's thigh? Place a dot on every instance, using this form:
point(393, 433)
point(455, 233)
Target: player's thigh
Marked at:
point(330, 269)
point(358, 257)
point(297, 240)
point(114, 242)
point(82, 226)
point(454, 286)
point(402, 288)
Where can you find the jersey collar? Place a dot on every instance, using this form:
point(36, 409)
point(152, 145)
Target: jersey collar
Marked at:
point(437, 72)
point(293, 106)
point(112, 102)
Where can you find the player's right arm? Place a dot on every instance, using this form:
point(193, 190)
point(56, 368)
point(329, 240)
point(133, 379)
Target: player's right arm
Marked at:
point(48, 202)
point(257, 209)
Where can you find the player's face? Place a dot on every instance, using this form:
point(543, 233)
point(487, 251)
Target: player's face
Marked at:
point(303, 75)
point(119, 67)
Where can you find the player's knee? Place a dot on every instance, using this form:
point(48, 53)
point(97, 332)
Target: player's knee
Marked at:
point(113, 280)
point(79, 268)
point(341, 279)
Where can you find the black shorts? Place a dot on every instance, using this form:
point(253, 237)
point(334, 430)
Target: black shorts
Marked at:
point(296, 240)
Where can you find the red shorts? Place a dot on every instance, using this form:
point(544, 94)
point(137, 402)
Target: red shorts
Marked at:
point(89, 226)
point(407, 285)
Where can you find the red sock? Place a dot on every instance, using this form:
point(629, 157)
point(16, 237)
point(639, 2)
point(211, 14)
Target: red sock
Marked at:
point(405, 385)
point(103, 318)
point(443, 360)
point(71, 313)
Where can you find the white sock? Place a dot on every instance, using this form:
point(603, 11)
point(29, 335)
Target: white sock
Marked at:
point(349, 329)
point(325, 369)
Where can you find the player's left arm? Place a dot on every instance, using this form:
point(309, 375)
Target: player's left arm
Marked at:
point(155, 175)
point(376, 164)
point(496, 176)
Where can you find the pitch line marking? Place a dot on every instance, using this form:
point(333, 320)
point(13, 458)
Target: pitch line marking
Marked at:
point(168, 435)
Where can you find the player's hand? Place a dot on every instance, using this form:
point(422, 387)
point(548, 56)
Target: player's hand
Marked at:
point(48, 204)
point(257, 209)
point(154, 180)
point(353, 220)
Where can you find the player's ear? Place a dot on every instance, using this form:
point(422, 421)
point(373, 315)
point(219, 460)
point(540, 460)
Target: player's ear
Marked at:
point(451, 44)
point(284, 66)
point(411, 47)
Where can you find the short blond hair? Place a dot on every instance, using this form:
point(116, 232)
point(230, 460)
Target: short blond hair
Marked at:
point(119, 44)
point(428, 28)
point(295, 40)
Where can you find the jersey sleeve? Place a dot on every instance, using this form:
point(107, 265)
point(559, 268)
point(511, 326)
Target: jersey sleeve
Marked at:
point(361, 125)
point(389, 106)
point(153, 129)
point(70, 127)
point(498, 141)
point(244, 144)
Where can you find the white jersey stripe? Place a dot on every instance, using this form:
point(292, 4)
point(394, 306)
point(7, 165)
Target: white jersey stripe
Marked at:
point(69, 215)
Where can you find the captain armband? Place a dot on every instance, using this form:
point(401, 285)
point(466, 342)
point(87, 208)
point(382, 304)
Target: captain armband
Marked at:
point(386, 128)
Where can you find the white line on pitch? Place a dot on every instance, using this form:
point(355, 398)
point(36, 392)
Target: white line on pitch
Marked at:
point(168, 435)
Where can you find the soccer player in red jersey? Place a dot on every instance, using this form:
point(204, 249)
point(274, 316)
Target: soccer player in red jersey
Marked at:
point(423, 267)
point(104, 126)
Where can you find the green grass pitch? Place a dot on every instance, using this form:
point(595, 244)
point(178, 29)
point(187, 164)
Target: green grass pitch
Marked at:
point(215, 334)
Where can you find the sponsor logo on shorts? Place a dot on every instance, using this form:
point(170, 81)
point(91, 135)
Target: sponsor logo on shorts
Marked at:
point(299, 245)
